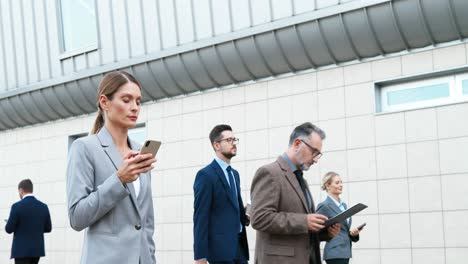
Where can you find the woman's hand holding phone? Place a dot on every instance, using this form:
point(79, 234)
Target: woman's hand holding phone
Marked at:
point(133, 164)
point(355, 231)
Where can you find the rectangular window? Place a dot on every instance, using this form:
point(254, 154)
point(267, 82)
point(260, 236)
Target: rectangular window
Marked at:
point(418, 94)
point(428, 92)
point(138, 134)
point(78, 26)
point(465, 86)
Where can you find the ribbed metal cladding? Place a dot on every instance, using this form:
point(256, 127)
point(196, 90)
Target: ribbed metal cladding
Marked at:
point(366, 32)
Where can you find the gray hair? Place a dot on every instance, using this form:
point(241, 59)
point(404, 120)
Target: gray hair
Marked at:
point(305, 130)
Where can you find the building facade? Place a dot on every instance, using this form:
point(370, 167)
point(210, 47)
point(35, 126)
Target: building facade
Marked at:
point(386, 80)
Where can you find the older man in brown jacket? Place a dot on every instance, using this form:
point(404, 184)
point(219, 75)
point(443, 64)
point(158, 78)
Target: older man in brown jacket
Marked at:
point(283, 211)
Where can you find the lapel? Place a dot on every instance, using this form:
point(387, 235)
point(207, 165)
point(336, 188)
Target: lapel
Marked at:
point(291, 178)
point(335, 208)
point(108, 145)
point(350, 219)
point(222, 177)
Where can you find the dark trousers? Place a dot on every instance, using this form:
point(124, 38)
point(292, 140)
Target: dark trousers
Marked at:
point(337, 261)
point(34, 260)
point(240, 258)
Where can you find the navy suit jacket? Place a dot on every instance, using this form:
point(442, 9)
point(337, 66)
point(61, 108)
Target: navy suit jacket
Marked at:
point(29, 220)
point(216, 217)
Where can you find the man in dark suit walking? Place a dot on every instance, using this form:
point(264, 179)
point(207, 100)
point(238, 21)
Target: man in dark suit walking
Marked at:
point(219, 215)
point(29, 220)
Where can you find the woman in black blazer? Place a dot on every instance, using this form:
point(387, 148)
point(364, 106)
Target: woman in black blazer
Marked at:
point(338, 249)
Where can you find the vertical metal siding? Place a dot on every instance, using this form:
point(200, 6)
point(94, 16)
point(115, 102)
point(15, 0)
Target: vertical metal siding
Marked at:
point(126, 19)
point(202, 19)
point(352, 33)
point(54, 47)
point(36, 69)
point(80, 62)
point(43, 40)
point(240, 14)
point(121, 36)
point(260, 11)
point(302, 6)
point(3, 70)
point(10, 51)
point(16, 15)
point(105, 28)
point(185, 21)
point(168, 24)
point(151, 30)
point(326, 3)
point(93, 59)
point(135, 28)
point(221, 17)
point(129, 29)
point(281, 9)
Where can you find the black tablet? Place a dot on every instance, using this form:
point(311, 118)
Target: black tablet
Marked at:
point(345, 214)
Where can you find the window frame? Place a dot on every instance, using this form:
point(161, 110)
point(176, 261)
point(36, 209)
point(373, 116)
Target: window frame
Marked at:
point(454, 79)
point(459, 78)
point(139, 126)
point(64, 54)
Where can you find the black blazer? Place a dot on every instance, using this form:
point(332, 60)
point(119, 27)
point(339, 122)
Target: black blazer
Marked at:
point(29, 220)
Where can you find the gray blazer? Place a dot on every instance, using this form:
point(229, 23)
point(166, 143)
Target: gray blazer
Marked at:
point(119, 227)
point(339, 246)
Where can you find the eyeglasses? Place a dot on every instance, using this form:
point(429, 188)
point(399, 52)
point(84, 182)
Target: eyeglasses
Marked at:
point(231, 140)
point(315, 152)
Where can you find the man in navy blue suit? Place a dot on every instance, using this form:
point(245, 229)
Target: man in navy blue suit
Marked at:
point(219, 215)
point(29, 220)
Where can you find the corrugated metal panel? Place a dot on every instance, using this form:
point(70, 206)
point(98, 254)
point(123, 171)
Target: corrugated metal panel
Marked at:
point(9, 45)
point(3, 70)
point(127, 29)
point(43, 39)
point(351, 32)
point(50, 16)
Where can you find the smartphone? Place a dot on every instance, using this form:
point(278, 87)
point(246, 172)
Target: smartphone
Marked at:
point(150, 146)
point(361, 226)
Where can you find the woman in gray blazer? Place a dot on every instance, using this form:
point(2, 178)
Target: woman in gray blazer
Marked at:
point(338, 249)
point(109, 183)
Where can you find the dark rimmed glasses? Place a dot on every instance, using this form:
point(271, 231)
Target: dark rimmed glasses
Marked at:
point(231, 140)
point(315, 152)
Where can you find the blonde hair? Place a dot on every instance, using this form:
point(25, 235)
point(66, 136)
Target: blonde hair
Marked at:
point(327, 179)
point(109, 85)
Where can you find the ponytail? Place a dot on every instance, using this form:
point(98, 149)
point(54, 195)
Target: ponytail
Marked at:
point(98, 123)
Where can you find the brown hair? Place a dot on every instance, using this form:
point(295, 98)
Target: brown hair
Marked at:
point(109, 85)
point(327, 179)
point(26, 185)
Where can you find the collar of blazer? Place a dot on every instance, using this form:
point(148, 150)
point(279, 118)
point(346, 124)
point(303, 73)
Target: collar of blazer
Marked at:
point(334, 207)
point(109, 147)
point(222, 177)
point(291, 177)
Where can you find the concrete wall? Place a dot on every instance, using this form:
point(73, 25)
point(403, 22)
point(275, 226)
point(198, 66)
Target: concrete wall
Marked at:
point(409, 167)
